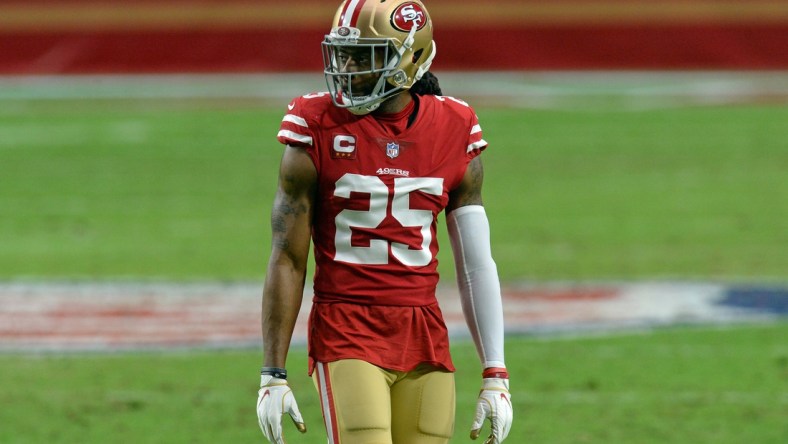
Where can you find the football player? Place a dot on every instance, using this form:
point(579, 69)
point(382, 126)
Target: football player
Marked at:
point(367, 168)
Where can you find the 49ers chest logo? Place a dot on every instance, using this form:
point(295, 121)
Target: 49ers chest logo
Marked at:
point(408, 15)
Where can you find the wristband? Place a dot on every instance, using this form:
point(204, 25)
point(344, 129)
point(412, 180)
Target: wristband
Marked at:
point(276, 372)
point(495, 372)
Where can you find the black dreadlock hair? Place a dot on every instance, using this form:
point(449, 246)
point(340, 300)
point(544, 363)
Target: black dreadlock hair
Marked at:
point(427, 85)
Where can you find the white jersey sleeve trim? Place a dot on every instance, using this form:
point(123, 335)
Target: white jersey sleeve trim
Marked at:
point(292, 118)
point(295, 136)
point(476, 145)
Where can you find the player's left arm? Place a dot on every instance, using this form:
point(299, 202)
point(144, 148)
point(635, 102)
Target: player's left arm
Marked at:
point(480, 293)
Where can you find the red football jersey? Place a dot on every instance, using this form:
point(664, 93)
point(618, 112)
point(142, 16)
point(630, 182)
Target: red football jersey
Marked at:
point(380, 188)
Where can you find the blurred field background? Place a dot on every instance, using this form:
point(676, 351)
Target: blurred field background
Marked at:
point(160, 189)
point(629, 142)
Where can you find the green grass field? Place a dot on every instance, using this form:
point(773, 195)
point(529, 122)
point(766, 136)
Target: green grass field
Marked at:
point(680, 386)
point(116, 190)
point(136, 190)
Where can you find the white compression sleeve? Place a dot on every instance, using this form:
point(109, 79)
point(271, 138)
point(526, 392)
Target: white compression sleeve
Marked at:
point(477, 278)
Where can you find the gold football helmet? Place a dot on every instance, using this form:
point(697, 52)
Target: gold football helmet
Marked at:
point(376, 49)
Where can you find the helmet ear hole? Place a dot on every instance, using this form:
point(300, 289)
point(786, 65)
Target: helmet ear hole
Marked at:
point(417, 55)
point(399, 78)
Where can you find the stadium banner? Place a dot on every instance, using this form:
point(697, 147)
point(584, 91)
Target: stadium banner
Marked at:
point(247, 36)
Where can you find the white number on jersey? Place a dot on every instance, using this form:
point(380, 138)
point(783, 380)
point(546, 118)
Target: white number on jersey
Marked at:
point(461, 102)
point(315, 95)
point(377, 253)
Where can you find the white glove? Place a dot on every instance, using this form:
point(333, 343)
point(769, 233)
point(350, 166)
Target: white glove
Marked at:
point(495, 404)
point(274, 399)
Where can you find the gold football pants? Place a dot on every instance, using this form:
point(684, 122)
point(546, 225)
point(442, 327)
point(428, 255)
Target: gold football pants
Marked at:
point(365, 404)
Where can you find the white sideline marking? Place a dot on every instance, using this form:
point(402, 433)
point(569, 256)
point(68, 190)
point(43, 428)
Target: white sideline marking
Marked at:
point(106, 317)
point(525, 89)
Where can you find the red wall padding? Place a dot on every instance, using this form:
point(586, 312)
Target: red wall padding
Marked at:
point(28, 46)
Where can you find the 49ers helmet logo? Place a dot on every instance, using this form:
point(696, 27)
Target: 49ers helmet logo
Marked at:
point(408, 15)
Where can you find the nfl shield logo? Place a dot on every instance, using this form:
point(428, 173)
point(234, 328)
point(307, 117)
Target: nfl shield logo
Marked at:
point(392, 149)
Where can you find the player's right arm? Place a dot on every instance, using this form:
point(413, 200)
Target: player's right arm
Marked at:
point(291, 227)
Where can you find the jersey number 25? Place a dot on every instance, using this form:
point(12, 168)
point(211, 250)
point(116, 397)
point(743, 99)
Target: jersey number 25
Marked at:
point(377, 253)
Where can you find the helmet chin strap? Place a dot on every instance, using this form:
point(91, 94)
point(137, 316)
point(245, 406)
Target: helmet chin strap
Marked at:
point(365, 107)
point(362, 109)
